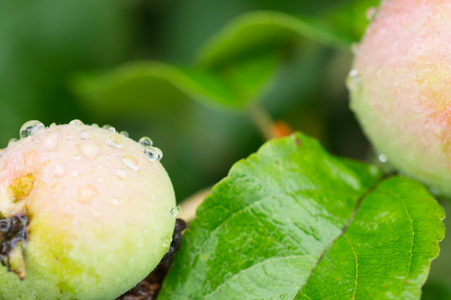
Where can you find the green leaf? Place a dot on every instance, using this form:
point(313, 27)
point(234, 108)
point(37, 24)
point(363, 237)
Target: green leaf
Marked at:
point(293, 222)
point(339, 26)
point(254, 31)
point(153, 87)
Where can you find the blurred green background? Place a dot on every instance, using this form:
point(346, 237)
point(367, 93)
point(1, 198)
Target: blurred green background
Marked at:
point(190, 74)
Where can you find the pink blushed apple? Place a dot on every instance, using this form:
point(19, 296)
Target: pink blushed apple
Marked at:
point(400, 88)
point(99, 208)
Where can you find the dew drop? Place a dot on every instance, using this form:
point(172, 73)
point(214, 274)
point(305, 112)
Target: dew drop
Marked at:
point(165, 211)
point(371, 13)
point(150, 153)
point(51, 142)
point(124, 133)
point(109, 128)
point(166, 242)
point(115, 140)
point(160, 153)
point(153, 153)
point(115, 201)
point(89, 151)
point(69, 137)
point(146, 141)
point(52, 125)
point(59, 170)
point(76, 122)
point(131, 162)
point(382, 158)
point(175, 211)
point(84, 135)
point(121, 173)
point(11, 141)
point(87, 194)
point(95, 125)
point(354, 81)
point(355, 48)
point(31, 128)
point(77, 158)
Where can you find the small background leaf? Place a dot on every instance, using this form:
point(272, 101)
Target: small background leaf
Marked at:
point(152, 87)
point(277, 228)
point(234, 66)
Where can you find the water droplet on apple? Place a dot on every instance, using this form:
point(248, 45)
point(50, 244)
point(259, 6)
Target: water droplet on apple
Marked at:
point(87, 193)
point(371, 13)
point(382, 158)
point(145, 141)
point(121, 173)
point(175, 211)
point(76, 122)
point(354, 81)
point(89, 151)
point(59, 170)
point(51, 142)
point(131, 162)
point(109, 128)
point(84, 135)
point(115, 140)
point(31, 128)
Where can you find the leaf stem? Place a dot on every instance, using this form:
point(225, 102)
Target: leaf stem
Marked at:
point(263, 120)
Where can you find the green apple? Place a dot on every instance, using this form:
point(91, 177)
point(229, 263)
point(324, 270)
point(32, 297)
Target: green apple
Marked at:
point(100, 208)
point(400, 88)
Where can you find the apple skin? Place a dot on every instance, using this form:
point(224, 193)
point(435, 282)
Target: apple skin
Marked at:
point(400, 87)
point(99, 211)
